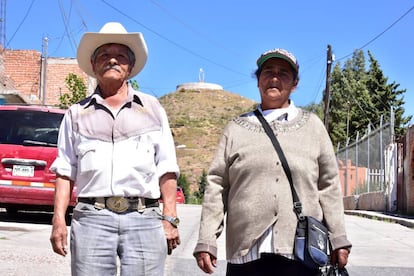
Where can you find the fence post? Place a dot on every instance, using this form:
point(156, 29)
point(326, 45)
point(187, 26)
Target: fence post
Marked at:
point(390, 175)
point(368, 159)
point(346, 168)
point(357, 162)
point(381, 148)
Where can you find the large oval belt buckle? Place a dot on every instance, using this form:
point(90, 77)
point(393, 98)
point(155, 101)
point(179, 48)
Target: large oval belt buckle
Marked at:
point(117, 204)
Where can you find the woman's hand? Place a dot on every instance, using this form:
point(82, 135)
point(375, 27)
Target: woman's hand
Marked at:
point(206, 262)
point(340, 257)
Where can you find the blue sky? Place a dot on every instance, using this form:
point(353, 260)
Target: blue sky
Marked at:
point(225, 38)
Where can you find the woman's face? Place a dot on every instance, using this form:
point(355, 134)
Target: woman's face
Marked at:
point(276, 82)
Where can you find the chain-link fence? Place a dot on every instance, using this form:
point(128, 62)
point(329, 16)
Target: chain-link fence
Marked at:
point(361, 163)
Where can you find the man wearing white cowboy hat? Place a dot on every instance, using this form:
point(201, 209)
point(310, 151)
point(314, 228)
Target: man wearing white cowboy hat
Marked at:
point(116, 145)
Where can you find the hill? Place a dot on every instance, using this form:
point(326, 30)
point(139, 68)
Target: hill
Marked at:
point(197, 118)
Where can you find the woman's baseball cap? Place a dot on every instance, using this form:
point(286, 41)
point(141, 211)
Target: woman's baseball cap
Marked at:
point(112, 32)
point(279, 53)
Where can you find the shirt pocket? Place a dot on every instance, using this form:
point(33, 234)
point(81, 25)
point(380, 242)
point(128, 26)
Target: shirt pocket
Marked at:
point(90, 158)
point(141, 158)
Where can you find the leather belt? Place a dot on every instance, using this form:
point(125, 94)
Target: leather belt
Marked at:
point(119, 204)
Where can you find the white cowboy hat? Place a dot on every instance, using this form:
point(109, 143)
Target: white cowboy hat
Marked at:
point(112, 32)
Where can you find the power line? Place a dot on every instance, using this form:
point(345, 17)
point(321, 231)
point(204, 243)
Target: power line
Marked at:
point(21, 23)
point(76, 30)
point(67, 29)
point(173, 42)
point(215, 43)
point(321, 79)
point(366, 44)
point(3, 23)
point(80, 15)
point(380, 34)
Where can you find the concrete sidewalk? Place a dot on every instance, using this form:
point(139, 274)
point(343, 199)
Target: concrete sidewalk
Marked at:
point(388, 217)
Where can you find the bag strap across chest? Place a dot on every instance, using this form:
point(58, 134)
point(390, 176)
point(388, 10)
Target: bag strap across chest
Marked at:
point(297, 205)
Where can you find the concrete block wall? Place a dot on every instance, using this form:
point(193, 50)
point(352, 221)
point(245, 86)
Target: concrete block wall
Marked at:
point(350, 202)
point(374, 201)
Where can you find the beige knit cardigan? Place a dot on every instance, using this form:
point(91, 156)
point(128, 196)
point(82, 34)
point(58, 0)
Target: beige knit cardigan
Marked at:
point(248, 191)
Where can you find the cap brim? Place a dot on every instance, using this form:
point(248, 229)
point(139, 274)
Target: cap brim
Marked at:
point(265, 58)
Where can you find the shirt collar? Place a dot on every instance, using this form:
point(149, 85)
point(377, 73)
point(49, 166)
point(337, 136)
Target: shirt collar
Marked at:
point(96, 98)
point(281, 114)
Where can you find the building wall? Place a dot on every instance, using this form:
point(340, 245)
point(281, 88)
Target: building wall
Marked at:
point(24, 68)
point(57, 71)
point(405, 180)
point(409, 170)
point(352, 180)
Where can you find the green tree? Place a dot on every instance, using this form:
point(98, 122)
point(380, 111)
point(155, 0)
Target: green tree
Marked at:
point(386, 96)
point(351, 106)
point(197, 196)
point(359, 97)
point(202, 183)
point(315, 108)
point(337, 117)
point(77, 87)
point(182, 182)
point(134, 84)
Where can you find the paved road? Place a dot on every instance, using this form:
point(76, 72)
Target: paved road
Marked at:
point(380, 248)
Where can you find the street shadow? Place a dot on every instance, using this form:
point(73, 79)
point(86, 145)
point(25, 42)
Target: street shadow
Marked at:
point(33, 217)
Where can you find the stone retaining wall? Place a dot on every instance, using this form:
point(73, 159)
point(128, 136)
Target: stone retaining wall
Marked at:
point(368, 201)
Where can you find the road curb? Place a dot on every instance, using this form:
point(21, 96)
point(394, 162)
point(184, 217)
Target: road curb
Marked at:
point(405, 221)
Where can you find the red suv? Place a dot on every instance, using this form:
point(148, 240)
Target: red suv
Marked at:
point(180, 197)
point(28, 147)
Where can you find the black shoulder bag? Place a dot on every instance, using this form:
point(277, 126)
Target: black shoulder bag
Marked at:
point(311, 238)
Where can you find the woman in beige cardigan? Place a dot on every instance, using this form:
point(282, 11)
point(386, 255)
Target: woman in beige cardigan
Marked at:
point(246, 182)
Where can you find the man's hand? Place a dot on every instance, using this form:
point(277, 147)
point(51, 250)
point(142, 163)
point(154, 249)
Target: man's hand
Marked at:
point(206, 262)
point(59, 235)
point(172, 235)
point(168, 187)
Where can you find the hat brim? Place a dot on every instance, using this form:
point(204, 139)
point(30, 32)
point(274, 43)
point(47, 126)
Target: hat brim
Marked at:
point(91, 41)
point(265, 58)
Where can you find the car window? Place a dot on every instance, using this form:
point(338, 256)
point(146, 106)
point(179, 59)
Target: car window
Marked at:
point(29, 127)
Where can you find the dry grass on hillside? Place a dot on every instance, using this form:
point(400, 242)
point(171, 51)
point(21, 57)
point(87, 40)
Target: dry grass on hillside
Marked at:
point(197, 118)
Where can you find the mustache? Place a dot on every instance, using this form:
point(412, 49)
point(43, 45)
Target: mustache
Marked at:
point(115, 67)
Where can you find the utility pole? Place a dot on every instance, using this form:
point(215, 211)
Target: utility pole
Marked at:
point(3, 24)
point(327, 95)
point(44, 70)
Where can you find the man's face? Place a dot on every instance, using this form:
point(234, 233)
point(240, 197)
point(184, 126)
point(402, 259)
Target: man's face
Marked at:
point(111, 61)
point(276, 82)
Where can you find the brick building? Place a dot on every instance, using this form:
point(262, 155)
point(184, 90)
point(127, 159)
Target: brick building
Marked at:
point(22, 72)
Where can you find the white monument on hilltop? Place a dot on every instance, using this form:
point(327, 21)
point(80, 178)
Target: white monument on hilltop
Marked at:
point(201, 75)
point(201, 84)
